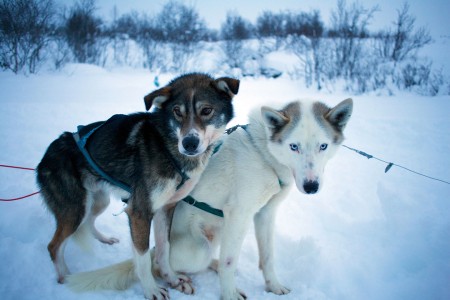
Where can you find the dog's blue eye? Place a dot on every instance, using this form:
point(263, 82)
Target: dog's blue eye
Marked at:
point(294, 147)
point(323, 147)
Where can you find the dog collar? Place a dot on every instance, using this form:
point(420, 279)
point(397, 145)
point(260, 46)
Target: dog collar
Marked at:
point(228, 131)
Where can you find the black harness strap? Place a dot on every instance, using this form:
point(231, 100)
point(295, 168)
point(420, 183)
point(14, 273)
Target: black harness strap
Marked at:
point(81, 138)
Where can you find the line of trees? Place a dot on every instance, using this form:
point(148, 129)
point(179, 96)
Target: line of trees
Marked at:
point(175, 39)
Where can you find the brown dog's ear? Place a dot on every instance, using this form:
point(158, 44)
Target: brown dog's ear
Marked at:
point(228, 85)
point(157, 98)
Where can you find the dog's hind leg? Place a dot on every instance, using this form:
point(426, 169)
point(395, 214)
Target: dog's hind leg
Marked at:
point(68, 206)
point(66, 225)
point(99, 204)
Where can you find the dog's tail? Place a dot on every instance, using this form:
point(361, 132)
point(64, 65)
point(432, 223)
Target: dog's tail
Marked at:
point(116, 277)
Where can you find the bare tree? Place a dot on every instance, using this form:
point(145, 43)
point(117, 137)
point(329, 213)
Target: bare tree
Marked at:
point(122, 33)
point(307, 24)
point(181, 27)
point(348, 28)
point(305, 41)
point(403, 41)
point(25, 31)
point(271, 24)
point(150, 39)
point(83, 33)
point(234, 31)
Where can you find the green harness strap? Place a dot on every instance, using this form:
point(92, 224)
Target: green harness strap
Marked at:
point(203, 206)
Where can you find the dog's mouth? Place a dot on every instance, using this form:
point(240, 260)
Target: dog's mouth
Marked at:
point(190, 153)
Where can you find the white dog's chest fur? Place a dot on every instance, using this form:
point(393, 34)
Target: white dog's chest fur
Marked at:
point(226, 177)
point(226, 185)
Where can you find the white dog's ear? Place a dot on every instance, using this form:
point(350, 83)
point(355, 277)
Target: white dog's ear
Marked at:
point(340, 114)
point(157, 98)
point(273, 118)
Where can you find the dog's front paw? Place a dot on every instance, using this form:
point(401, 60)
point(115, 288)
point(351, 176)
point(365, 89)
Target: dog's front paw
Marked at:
point(276, 288)
point(186, 287)
point(236, 295)
point(161, 294)
point(180, 282)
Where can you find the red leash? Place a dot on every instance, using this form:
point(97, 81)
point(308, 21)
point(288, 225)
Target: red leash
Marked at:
point(19, 198)
point(23, 197)
point(15, 167)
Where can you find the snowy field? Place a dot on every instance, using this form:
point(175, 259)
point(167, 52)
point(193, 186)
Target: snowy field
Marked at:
point(366, 235)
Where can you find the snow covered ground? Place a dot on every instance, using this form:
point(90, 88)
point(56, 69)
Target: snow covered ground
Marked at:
point(367, 235)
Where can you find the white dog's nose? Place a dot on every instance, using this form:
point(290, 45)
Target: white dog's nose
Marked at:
point(310, 187)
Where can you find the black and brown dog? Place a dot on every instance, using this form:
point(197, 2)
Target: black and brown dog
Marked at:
point(153, 159)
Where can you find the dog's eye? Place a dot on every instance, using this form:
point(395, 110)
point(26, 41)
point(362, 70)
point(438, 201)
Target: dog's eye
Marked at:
point(177, 111)
point(323, 147)
point(206, 111)
point(294, 147)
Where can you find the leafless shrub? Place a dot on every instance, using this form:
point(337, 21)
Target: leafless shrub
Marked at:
point(234, 32)
point(25, 31)
point(403, 41)
point(83, 33)
point(348, 30)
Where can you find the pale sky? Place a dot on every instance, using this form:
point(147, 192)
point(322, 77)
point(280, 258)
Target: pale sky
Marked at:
point(432, 13)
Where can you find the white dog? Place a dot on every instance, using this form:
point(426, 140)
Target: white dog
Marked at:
point(245, 180)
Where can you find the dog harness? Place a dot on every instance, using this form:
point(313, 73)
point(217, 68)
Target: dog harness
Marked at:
point(81, 141)
point(203, 206)
point(81, 138)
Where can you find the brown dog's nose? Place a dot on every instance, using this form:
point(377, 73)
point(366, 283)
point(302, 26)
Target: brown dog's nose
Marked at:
point(190, 143)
